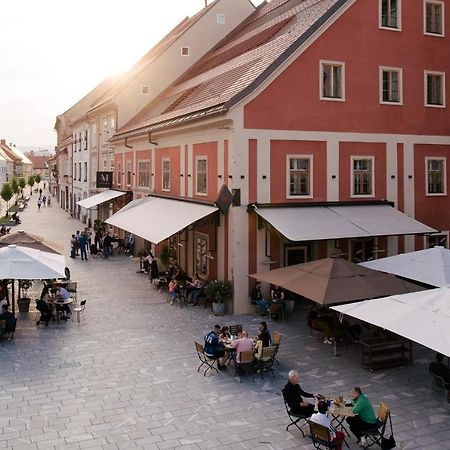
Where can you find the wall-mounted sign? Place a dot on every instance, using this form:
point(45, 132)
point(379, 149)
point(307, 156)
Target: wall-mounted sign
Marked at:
point(104, 180)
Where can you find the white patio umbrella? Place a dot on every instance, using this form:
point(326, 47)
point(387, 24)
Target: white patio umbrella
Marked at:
point(22, 263)
point(422, 317)
point(430, 266)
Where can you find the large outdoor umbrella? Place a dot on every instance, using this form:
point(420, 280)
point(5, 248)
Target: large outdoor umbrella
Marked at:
point(430, 266)
point(423, 317)
point(24, 239)
point(334, 281)
point(21, 263)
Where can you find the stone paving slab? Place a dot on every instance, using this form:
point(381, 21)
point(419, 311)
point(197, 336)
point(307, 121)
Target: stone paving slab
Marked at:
point(126, 376)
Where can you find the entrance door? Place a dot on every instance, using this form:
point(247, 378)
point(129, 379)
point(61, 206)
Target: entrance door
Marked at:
point(295, 255)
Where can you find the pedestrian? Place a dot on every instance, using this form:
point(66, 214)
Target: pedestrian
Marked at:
point(73, 246)
point(44, 200)
point(106, 246)
point(77, 236)
point(39, 203)
point(40, 192)
point(82, 240)
point(88, 234)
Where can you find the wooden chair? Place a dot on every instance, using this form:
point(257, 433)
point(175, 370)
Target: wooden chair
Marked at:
point(437, 382)
point(375, 435)
point(267, 360)
point(277, 311)
point(294, 417)
point(320, 436)
point(204, 359)
point(276, 341)
point(235, 329)
point(245, 364)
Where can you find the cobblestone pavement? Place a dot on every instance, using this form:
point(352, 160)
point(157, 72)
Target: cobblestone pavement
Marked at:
point(126, 376)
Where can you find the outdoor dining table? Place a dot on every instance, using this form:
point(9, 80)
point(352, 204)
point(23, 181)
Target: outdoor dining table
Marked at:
point(338, 412)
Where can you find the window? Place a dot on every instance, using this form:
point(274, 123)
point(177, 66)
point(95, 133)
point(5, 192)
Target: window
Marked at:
point(299, 176)
point(75, 171)
point(166, 174)
point(201, 175)
point(201, 253)
point(391, 85)
point(104, 163)
point(184, 51)
point(362, 171)
point(128, 173)
point(390, 14)
point(144, 173)
point(436, 176)
point(113, 122)
point(434, 17)
point(434, 89)
point(220, 19)
point(79, 140)
point(85, 172)
point(437, 240)
point(332, 81)
point(145, 90)
point(79, 171)
point(363, 250)
point(85, 139)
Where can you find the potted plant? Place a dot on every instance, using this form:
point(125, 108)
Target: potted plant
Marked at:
point(219, 292)
point(23, 301)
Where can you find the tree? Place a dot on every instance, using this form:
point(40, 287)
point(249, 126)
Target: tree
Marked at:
point(37, 178)
point(15, 186)
point(31, 181)
point(22, 184)
point(6, 195)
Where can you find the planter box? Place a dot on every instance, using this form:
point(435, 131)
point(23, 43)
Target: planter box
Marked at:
point(23, 304)
point(218, 309)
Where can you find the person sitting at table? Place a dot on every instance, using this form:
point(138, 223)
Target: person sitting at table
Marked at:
point(243, 344)
point(321, 417)
point(225, 333)
point(294, 394)
point(277, 295)
point(45, 294)
point(321, 320)
point(213, 348)
point(173, 290)
point(264, 335)
point(439, 369)
point(256, 298)
point(8, 317)
point(364, 419)
point(195, 289)
point(62, 296)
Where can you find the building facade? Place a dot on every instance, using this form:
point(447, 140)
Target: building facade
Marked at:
point(326, 121)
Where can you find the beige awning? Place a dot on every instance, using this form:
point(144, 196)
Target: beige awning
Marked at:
point(97, 199)
point(313, 223)
point(155, 219)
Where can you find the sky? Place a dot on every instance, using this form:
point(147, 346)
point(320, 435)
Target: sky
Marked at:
point(54, 52)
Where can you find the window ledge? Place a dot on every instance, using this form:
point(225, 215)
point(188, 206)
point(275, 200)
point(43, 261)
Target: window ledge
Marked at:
point(391, 103)
point(434, 106)
point(299, 197)
point(362, 196)
point(390, 28)
point(441, 194)
point(439, 35)
point(332, 99)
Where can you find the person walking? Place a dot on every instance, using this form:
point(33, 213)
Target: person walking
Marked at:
point(83, 242)
point(39, 203)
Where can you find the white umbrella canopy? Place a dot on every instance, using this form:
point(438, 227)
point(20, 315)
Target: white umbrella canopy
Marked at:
point(22, 263)
point(430, 266)
point(422, 317)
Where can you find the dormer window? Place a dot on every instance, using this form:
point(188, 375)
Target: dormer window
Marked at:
point(221, 19)
point(184, 51)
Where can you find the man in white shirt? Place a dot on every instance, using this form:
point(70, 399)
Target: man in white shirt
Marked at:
point(322, 418)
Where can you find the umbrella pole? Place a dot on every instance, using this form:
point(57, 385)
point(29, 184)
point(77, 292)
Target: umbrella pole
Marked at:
point(12, 298)
point(335, 353)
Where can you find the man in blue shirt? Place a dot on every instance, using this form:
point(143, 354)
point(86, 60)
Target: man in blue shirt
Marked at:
point(214, 348)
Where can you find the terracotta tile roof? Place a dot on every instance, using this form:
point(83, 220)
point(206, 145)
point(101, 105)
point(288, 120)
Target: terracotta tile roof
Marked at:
point(238, 64)
point(39, 162)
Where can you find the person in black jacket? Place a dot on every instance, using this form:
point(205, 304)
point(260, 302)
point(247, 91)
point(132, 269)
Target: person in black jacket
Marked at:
point(294, 394)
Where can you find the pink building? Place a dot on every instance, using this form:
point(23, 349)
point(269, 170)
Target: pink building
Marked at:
point(326, 120)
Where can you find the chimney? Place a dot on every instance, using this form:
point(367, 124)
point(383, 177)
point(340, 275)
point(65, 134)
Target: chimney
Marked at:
point(2, 141)
point(206, 3)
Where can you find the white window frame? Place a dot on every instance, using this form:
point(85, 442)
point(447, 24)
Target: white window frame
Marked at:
point(188, 51)
point(399, 70)
point(197, 159)
point(441, 233)
point(436, 158)
point(322, 63)
point(220, 18)
point(139, 173)
point(129, 171)
point(425, 84)
point(436, 2)
point(399, 17)
point(119, 174)
point(288, 175)
point(204, 237)
point(85, 171)
point(167, 189)
point(352, 176)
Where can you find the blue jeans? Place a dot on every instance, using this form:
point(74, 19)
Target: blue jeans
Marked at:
point(106, 252)
point(263, 305)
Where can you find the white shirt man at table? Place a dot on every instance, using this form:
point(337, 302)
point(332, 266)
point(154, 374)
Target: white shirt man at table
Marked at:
point(63, 295)
point(322, 418)
point(244, 344)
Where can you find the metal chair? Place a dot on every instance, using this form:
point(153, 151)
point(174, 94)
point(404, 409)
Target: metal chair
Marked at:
point(294, 417)
point(376, 435)
point(437, 382)
point(204, 359)
point(80, 309)
point(320, 436)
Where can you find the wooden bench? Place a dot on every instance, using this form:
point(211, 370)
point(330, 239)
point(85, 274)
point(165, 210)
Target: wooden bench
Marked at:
point(379, 353)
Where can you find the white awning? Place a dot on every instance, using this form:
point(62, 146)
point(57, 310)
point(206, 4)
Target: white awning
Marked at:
point(313, 223)
point(156, 219)
point(100, 198)
point(422, 317)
